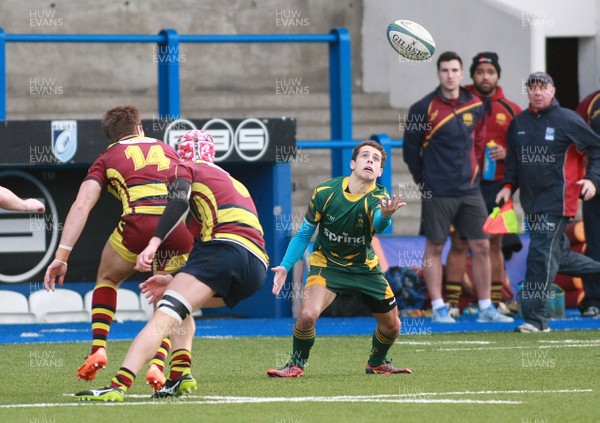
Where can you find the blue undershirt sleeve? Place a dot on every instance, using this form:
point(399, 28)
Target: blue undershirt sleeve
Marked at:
point(380, 223)
point(298, 245)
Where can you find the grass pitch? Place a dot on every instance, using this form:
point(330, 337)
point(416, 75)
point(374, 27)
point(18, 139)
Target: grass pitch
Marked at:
point(473, 377)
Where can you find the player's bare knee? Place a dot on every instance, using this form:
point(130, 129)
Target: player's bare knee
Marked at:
point(106, 281)
point(397, 326)
point(307, 319)
point(391, 327)
point(175, 305)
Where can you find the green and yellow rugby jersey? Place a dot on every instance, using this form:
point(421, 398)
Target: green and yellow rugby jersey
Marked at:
point(345, 225)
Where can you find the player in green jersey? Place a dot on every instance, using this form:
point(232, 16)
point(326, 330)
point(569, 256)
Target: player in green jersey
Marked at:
point(348, 212)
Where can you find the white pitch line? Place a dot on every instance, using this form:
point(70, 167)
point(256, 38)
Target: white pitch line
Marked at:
point(444, 342)
point(382, 400)
point(259, 400)
point(391, 396)
point(546, 391)
point(408, 398)
point(516, 347)
point(570, 341)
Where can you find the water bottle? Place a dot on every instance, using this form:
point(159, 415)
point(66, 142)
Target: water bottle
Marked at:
point(489, 165)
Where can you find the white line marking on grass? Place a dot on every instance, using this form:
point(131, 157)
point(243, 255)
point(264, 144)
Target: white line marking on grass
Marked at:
point(410, 398)
point(394, 399)
point(210, 400)
point(517, 347)
point(445, 342)
point(390, 396)
point(570, 341)
point(546, 391)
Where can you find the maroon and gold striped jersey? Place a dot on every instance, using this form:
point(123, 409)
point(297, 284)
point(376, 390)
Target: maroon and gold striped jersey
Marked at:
point(135, 171)
point(221, 207)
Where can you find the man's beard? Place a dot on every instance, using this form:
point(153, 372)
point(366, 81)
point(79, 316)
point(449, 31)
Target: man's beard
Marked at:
point(484, 91)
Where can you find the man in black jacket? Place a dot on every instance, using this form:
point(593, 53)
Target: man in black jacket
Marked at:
point(544, 144)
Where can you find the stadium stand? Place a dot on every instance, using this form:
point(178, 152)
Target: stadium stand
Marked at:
point(128, 305)
point(14, 308)
point(62, 305)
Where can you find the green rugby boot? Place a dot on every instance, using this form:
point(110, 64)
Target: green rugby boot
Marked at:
point(102, 394)
point(176, 388)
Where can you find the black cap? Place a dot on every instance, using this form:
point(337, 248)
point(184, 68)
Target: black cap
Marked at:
point(539, 78)
point(485, 57)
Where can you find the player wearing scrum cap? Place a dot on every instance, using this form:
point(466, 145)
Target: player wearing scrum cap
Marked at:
point(227, 264)
point(134, 168)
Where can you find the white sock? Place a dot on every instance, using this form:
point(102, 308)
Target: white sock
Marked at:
point(483, 304)
point(435, 304)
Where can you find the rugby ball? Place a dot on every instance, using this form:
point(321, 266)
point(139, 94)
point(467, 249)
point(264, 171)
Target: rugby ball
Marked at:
point(410, 40)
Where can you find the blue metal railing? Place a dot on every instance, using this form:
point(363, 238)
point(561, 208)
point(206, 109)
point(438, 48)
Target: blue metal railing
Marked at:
point(386, 142)
point(168, 41)
point(167, 58)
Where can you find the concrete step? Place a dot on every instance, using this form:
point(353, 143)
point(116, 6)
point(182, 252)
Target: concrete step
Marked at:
point(306, 116)
point(211, 103)
point(272, 100)
point(314, 131)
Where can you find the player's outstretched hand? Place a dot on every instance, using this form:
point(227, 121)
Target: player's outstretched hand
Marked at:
point(389, 206)
point(155, 286)
point(56, 269)
point(33, 205)
point(279, 279)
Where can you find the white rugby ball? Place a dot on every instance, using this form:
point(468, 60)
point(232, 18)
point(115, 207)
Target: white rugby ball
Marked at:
point(410, 40)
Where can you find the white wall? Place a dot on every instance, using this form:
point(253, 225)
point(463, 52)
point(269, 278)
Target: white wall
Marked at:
point(589, 60)
point(84, 70)
point(514, 29)
point(556, 18)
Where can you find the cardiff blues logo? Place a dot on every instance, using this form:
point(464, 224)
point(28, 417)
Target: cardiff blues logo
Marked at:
point(64, 139)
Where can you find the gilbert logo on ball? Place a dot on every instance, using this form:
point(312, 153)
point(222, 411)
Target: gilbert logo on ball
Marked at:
point(410, 40)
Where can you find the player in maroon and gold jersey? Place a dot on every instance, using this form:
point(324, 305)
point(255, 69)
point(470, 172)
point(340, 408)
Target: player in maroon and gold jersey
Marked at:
point(227, 264)
point(134, 168)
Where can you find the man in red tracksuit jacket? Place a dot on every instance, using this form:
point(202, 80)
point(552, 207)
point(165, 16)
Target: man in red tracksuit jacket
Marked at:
point(499, 113)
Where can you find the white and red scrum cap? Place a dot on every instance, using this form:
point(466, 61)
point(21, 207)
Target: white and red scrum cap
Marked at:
point(196, 145)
